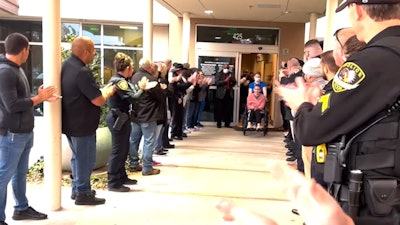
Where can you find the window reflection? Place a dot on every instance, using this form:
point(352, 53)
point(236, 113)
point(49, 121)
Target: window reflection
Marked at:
point(109, 55)
point(131, 36)
point(92, 31)
point(69, 31)
point(127, 39)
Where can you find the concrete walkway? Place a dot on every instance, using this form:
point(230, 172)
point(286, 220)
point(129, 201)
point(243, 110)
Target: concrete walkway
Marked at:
point(209, 165)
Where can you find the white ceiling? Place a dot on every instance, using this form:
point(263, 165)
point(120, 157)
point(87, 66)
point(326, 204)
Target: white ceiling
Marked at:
point(250, 10)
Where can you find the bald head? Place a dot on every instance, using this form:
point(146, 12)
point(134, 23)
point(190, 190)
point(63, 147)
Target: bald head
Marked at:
point(146, 64)
point(312, 49)
point(83, 48)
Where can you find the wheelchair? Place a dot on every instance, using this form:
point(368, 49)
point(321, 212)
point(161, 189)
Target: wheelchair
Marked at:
point(246, 118)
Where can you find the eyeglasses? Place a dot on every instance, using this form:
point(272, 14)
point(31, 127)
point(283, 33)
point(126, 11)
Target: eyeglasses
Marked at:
point(337, 38)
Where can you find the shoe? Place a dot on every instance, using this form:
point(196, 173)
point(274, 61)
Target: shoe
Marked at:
point(121, 188)
point(177, 137)
point(289, 153)
point(249, 125)
point(169, 146)
point(3, 223)
point(289, 145)
point(73, 195)
point(287, 140)
point(29, 214)
point(151, 172)
point(184, 135)
point(130, 181)
point(200, 125)
point(159, 152)
point(165, 150)
point(137, 168)
point(296, 212)
point(187, 131)
point(228, 126)
point(170, 139)
point(218, 125)
point(291, 159)
point(88, 199)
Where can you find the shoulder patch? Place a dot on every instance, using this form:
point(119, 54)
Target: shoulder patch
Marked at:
point(348, 77)
point(123, 85)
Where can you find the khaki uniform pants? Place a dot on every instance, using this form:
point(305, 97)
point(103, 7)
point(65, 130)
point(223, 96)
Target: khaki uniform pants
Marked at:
point(306, 155)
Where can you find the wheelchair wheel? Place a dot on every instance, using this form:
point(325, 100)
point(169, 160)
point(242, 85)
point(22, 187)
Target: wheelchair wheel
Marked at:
point(265, 129)
point(244, 123)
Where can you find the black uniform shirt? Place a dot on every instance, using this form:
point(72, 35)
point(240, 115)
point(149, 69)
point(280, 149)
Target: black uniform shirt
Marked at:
point(365, 85)
point(125, 95)
point(80, 117)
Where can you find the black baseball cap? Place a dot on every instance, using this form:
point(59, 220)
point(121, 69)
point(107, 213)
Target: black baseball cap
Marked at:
point(345, 3)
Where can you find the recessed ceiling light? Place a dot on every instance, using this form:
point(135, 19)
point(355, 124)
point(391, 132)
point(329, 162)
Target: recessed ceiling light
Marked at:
point(208, 11)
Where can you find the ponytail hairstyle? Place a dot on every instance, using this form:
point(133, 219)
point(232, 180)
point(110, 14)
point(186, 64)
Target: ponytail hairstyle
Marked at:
point(122, 61)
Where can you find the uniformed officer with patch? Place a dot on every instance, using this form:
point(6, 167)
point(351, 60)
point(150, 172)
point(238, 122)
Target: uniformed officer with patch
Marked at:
point(119, 123)
point(359, 119)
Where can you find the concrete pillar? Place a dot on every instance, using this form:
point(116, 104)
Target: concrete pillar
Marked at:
point(331, 6)
point(185, 37)
point(148, 31)
point(313, 26)
point(175, 38)
point(52, 111)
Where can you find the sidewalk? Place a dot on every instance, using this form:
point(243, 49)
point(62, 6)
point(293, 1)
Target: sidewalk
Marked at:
point(209, 165)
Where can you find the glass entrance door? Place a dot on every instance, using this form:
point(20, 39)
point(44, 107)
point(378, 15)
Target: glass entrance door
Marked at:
point(211, 64)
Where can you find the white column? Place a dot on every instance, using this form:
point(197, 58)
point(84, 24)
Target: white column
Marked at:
point(175, 38)
point(313, 26)
point(148, 32)
point(52, 112)
point(331, 6)
point(185, 37)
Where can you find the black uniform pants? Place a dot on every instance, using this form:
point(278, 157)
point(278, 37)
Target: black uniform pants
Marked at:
point(286, 123)
point(177, 118)
point(165, 138)
point(120, 148)
point(223, 109)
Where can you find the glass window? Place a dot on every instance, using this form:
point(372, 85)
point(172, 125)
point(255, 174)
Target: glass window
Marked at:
point(130, 36)
point(31, 29)
point(69, 31)
point(109, 55)
point(92, 31)
point(237, 35)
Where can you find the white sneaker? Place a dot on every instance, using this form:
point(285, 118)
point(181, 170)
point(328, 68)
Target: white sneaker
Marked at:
point(249, 125)
point(186, 131)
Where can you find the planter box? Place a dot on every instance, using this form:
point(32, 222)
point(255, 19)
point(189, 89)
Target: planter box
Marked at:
point(103, 147)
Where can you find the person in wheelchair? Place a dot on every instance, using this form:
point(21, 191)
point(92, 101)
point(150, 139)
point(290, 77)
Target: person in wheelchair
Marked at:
point(256, 108)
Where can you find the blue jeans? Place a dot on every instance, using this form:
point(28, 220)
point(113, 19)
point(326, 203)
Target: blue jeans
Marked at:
point(148, 131)
point(159, 137)
point(191, 115)
point(82, 162)
point(201, 109)
point(14, 160)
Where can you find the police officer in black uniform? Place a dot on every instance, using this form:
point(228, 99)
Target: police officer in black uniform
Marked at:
point(119, 123)
point(359, 120)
